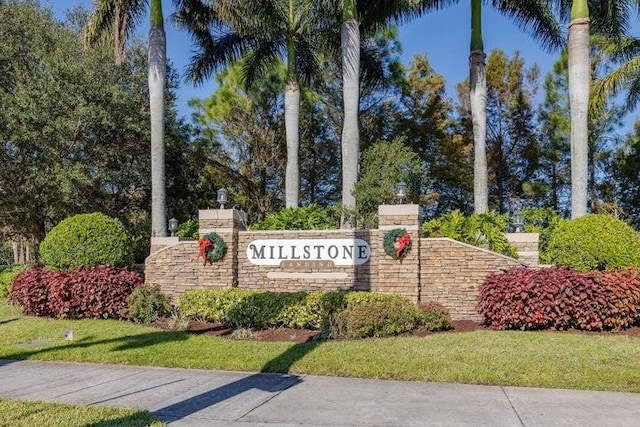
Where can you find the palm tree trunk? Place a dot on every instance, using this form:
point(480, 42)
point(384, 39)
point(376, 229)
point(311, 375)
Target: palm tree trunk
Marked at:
point(579, 81)
point(350, 128)
point(478, 103)
point(157, 76)
point(291, 120)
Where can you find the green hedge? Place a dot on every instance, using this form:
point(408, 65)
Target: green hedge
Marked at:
point(346, 314)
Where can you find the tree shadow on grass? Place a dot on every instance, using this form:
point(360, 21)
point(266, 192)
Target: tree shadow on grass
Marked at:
point(129, 342)
point(2, 322)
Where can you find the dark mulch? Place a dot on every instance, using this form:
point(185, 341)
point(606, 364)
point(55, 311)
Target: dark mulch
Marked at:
point(304, 335)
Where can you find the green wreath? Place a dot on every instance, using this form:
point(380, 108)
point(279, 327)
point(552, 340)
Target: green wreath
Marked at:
point(397, 243)
point(213, 247)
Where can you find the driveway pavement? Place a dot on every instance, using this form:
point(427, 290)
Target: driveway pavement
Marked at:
point(189, 397)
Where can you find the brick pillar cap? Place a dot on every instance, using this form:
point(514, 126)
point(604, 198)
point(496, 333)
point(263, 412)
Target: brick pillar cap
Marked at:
point(222, 214)
point(409, 210)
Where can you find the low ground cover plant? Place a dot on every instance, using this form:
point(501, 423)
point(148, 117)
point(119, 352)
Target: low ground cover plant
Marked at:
point(560, 298)
point(346, 314)
point(99, 292)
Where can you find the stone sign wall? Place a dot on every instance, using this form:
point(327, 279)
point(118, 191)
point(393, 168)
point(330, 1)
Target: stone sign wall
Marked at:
point(440, 270)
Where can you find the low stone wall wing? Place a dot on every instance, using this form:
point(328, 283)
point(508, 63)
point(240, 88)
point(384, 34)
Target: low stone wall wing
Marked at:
point(451, 273)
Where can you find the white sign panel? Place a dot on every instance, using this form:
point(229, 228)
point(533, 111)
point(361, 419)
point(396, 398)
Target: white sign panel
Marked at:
point(340, 251)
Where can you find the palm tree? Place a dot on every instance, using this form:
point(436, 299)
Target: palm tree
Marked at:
point(260, 34)
point(579, 83)
point(610, 18)
point(478, 104)
point(119, 17)
point(364, 16)
point(534, 13)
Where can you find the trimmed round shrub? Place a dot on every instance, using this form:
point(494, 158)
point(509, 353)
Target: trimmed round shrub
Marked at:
point(87, 240)
point(595, 243)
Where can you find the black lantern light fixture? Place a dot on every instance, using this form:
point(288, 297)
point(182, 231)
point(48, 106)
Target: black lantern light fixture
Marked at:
point(401, 192)
point(173, 226)
point(222, 197)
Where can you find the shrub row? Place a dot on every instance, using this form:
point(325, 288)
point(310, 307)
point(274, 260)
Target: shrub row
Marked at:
point(560, 298)
point(348, 314)
point(99, 292)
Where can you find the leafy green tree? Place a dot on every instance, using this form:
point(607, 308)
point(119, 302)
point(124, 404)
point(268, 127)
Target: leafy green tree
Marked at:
point(76, 128)
point(626, 174)
point(384, 164)
point(608, 17)
point(552, 186)
point(239, 140)
point(118, 17)
point(423, 118)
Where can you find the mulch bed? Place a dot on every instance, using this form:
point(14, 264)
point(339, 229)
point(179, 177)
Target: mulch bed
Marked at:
point(303, 335)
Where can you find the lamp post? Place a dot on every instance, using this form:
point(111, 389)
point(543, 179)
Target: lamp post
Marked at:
point(173, 226)
point(222, 197)
point(401, 192)
point(518, 223)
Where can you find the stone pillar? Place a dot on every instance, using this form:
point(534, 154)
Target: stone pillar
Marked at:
point(226, 223)
point(401, 276)
point(527, 247)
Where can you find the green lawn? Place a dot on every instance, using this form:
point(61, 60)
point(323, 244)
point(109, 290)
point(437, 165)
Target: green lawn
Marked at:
point(535, 359)
point(17, 413)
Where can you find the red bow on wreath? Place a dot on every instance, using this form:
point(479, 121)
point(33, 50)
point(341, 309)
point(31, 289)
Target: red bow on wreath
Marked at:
point(403, 242)
point(204, 244)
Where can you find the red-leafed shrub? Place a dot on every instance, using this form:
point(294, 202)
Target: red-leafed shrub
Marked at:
point(560, 298)
point(99, 292)
point(28, 290)
point(621, 290)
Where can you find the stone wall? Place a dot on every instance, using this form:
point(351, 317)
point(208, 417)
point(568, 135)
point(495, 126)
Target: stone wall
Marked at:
point(451, 273)
point(440, 270)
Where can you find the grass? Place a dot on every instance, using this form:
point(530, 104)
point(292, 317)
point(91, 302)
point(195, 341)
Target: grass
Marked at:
point(17, 413)
point(533, 359)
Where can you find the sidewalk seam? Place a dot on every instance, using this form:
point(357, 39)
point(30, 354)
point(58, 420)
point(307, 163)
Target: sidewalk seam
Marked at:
point(300, 379)
point(512, 407)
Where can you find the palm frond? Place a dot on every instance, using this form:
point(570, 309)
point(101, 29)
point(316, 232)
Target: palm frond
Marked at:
point(626, 77)
point(116, 18)
point(536, 17)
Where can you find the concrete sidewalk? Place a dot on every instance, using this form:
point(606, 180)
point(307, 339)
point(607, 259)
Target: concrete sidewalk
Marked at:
point(186, 397)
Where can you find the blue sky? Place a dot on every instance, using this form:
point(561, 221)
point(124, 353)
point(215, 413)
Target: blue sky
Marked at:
point(443, 36)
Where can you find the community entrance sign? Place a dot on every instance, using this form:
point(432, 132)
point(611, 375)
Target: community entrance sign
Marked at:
point(342, 252)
